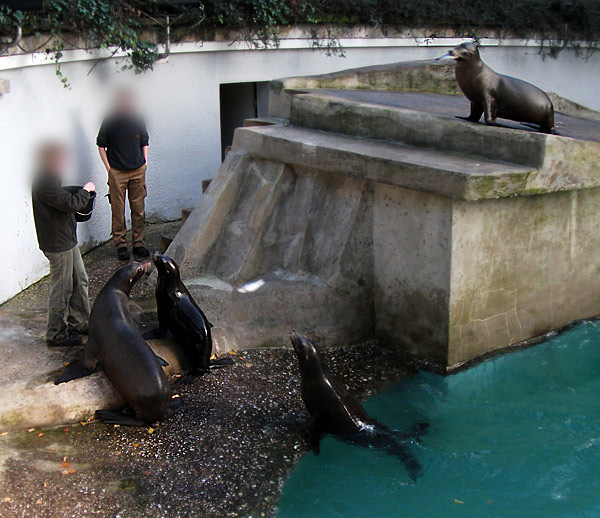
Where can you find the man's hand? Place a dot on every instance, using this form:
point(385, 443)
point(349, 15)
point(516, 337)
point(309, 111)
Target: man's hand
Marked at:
point(104, 158)
point(89, 187)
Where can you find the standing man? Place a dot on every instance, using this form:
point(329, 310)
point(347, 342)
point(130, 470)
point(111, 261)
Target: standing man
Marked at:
point(123, 147)
point(54, 211)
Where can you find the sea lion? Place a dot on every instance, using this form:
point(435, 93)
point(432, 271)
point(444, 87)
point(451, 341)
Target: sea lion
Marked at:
point(333, 410)
point(128, 362)
point(179, 314)
point(495, 95)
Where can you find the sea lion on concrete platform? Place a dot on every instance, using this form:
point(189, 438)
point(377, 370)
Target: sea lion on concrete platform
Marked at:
point(128, 362)
point(179, 314)
point(333, 410)
point(496, 95)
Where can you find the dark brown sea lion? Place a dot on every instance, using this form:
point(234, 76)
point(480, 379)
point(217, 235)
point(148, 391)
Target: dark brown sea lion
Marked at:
point(127, 360)
point(333, 410)
point(179, 314)
point(498, 96)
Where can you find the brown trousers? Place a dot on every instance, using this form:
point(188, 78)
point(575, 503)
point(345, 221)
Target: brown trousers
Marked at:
point(134, 183)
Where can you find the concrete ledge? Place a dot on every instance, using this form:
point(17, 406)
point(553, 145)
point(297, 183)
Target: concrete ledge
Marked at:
point(39, 402)
point(407, 76)
point(446, 174)
point(564, 163)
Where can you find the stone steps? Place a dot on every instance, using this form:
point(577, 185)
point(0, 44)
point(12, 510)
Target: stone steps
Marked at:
point(449, 174)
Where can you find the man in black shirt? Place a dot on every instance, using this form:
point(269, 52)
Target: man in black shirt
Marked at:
point(123, 147)
point(54, 211)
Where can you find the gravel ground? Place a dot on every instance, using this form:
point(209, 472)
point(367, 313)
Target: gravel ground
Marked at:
point(227, 453)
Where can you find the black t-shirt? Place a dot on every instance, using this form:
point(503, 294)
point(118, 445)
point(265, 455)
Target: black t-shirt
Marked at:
point(123, 136)
point(54, 211)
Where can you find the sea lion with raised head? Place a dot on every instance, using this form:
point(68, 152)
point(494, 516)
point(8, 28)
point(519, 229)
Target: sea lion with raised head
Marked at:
point(127, 360)
point(333, 410)
point(495, 95)
point(179, 314)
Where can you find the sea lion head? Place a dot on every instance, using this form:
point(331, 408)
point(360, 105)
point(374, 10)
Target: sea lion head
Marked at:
point(129, 274)
point(166, 267)
point(308, 355)
point(465, 53)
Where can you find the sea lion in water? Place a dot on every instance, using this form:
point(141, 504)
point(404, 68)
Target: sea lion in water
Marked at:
point(333, 410)
point(128, 362)
point(495, 95)
point(179, 314)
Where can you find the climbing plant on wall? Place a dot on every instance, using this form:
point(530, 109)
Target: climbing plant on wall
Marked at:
point(134, 27)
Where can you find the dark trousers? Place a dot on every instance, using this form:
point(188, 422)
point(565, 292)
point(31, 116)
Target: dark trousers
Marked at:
point(68, 305)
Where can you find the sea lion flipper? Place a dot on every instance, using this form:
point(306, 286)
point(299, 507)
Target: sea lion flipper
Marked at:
point(313, 436)
point(112, 417)
point(190, 377)
point(75, 371)
point(162, 361)
point(221, 362)
point(154, 334)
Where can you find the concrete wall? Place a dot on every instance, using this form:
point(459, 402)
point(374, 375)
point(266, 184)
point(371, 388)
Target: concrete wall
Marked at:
point(522, 267)
point(181, 98)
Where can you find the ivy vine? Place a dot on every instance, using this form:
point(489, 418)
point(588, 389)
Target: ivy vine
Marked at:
point(134, 27)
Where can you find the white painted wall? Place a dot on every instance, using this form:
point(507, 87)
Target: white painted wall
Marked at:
point(182, 110)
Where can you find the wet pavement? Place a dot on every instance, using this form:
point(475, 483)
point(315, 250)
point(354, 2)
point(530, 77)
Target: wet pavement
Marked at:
point(227, 453)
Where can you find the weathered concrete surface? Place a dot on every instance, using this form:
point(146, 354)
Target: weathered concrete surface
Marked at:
point(426, 76)
point(373, 219)
point(448, 174)
point(563, 163)
point(412, 235)
point(522, 267)
point(266, 220)
point(409, 76)
point(38, 402)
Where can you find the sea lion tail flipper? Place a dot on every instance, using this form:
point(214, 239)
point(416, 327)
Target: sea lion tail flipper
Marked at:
point(75, 371)
point(412, 465)
point(418, 430)
point(174, 406)
point(162, 361)
point(221, 362)
point(112, 417)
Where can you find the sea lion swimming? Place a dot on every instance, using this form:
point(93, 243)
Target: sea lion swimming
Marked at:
point(179, 314)
point(495, 95)
point(127, 360)
point(333, 410)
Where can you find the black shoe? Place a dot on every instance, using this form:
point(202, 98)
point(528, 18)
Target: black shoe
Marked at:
point(69, 341)
point(123, 254)
point(141, 252)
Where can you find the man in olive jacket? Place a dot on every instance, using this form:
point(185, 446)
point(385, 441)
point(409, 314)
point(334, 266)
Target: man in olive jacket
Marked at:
point(54, 211)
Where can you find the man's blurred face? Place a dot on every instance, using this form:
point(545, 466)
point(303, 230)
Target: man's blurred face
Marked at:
point(124, 101)
point(54, 161)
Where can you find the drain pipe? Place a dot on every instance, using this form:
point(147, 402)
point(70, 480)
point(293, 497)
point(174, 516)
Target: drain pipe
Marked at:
point(167, 51)
point(15, 41)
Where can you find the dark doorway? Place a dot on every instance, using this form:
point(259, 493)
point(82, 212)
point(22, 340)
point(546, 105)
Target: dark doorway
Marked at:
point(240, 101)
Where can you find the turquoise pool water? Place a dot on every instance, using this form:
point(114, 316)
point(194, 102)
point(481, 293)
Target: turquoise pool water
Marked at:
point(516, 436)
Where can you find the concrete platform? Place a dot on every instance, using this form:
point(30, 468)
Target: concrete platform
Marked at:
point(452, 105)
point(379, 214)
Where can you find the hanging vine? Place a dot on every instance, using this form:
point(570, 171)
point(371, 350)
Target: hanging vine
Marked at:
point(134, 27)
